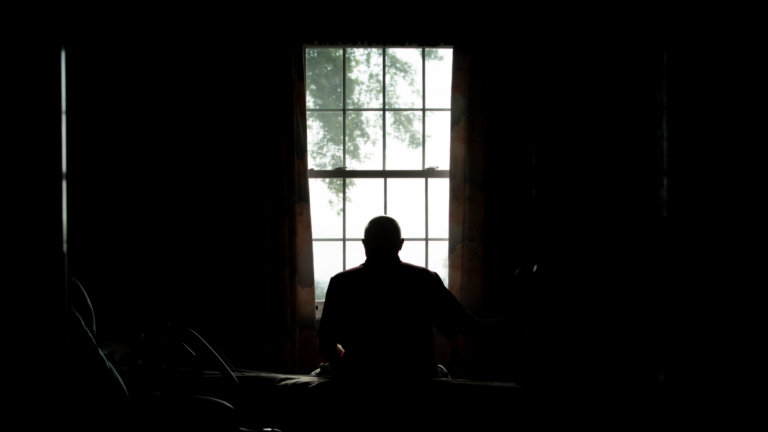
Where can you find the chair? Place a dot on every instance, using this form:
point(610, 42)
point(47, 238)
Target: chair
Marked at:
point(151, 410)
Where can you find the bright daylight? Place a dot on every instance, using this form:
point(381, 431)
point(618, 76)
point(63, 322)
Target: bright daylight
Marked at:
point(353, 123)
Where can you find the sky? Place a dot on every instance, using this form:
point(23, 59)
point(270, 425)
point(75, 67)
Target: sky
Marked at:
point(405, 197)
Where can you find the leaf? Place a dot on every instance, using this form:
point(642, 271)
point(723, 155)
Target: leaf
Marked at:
point(324, 69)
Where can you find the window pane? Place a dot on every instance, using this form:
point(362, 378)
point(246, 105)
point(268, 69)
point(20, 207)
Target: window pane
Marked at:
point(438, 208)
point(328, 256)
point(405, 203)
point(324, 141)
point(439, 69)
point(437, 149)
point(325, 199)
point(364, 148)
point(364, 78)
point(323, 81)
point(404, 78)
point(365, 200)
point(355, 253)
point(438, 259)
point(413, 252)
point(404, 140)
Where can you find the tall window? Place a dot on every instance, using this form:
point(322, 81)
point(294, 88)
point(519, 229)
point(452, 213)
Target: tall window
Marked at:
point(378, 122)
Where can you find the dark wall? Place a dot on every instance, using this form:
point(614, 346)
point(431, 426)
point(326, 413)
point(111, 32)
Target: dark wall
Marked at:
point(577, 121)
point(598, 233)
point(170, 144)
point(32, 198)
point(631, 299)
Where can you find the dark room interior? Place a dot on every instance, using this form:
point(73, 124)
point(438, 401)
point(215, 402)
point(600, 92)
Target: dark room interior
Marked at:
point(598, 170)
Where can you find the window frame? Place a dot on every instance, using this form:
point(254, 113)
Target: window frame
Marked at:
point(342, 173)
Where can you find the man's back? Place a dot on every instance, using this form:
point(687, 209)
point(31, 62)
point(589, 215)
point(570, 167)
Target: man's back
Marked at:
point(386, 306)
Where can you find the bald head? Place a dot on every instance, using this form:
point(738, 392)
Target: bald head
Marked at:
point(382, 236)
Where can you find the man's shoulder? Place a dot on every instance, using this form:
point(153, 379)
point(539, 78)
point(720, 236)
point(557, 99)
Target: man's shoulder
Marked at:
point(348, 273)
point(414, 268)
point(423, 275)
point(398, 267)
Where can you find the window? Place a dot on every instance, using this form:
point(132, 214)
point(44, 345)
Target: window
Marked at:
point(378, 125)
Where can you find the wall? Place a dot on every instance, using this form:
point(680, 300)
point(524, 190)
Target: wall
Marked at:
point(588, 110)
point(163, 213)
point(169, 152)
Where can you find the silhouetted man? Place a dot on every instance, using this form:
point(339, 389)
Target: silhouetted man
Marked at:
point(379, 316)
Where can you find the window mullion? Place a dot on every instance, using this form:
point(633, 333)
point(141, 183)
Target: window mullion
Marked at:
point(372, 109)
point(384, 119)
point(344, 108)
point(423, 108)
point(384, 109)
point(344, 223)
point(385, 195)
point(423, 152)
point(344, 159)
point(426, 221)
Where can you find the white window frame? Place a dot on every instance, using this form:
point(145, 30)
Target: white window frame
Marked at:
point(344, 174)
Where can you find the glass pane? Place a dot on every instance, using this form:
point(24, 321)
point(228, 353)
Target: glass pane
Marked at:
point(405, 203)
point(413, 252)
point(438, 259)
point(404, 140)
point(438, 207)
point(438, 74)
point(325, 206)
point(328, 260)
point(364, 133)
point(323, 80)
point(324, 141)
point(355, 253)
point(437, 151)
point(404, 79)
point(364, 78)
point(365, 200)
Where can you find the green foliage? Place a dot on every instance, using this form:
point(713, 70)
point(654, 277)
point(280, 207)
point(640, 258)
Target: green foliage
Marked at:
point(324, 69)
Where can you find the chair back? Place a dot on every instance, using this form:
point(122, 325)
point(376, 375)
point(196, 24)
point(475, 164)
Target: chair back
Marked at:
point(158, 337)
point(80, 301)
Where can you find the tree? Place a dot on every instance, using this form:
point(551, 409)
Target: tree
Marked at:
point(324, 69)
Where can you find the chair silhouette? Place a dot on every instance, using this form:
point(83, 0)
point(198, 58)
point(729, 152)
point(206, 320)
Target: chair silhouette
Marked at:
point(170, 410)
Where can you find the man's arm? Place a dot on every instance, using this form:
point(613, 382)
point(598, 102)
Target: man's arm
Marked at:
point(484, 329)
point(327, 353)
point(453, 319)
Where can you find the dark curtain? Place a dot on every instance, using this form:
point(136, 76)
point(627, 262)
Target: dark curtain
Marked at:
point(490, 210)
point(289, 270)
point(468, 200)
point(556, 161)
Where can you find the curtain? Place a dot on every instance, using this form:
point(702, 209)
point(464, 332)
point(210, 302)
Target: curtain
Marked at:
point(290, 294)
point(467, 197)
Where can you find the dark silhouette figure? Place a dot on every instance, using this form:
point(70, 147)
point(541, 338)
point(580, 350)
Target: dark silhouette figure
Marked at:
point(386, 305)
